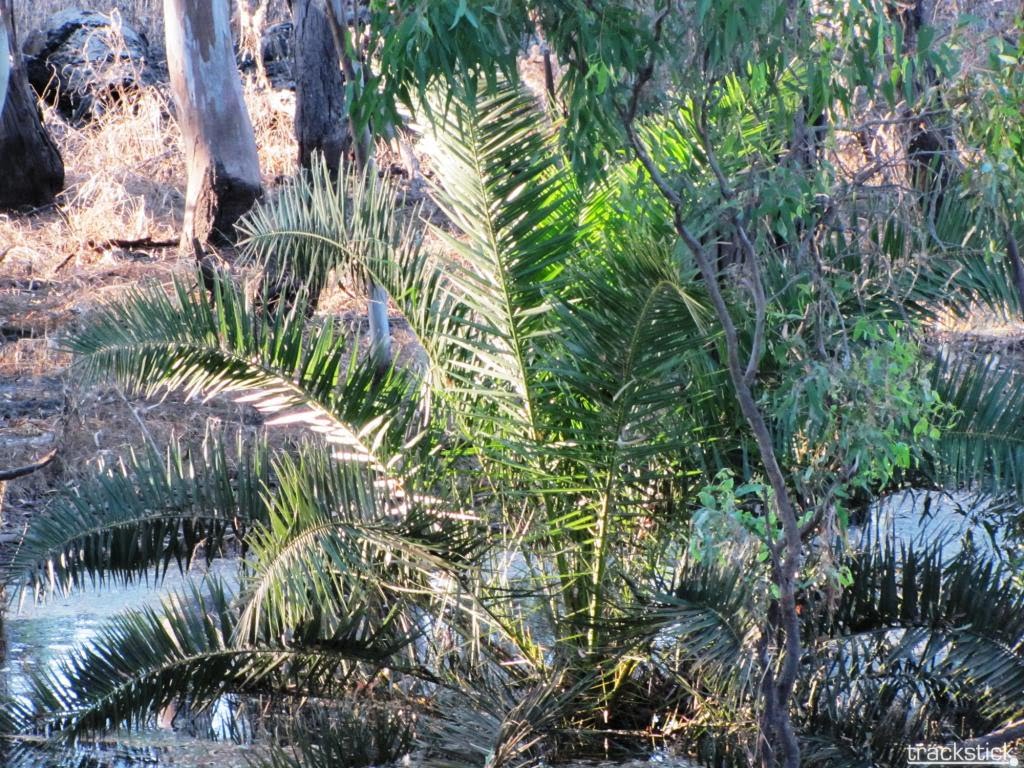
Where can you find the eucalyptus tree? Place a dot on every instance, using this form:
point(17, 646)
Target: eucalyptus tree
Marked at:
point(30, 162)
point(220, 147)
point(517, 540)
point(5, 59)
point(740, 153)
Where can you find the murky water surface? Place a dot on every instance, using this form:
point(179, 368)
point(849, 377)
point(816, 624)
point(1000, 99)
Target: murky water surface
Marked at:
point(39, 635)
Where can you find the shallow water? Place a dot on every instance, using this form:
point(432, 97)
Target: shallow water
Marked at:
point(40, 635)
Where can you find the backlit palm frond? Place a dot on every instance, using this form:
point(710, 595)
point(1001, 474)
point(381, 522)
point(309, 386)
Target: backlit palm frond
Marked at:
point(354, 225)
point(148, 342)
point(514, 211)
point(317, 227)
point(628, 374)
point(983, 448)
point(337, 552)
point(126, 521)
point(148, 659)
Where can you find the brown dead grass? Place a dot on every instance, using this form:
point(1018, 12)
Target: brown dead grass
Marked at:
point(124, 181)
point(144, 16)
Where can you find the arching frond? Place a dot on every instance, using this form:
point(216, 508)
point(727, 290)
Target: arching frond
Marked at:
point(148, 343)
point(131, 520)
point(514, 211)
point(337, 553)
point(916, 647)
point(983, 449)
point(146, 660)
point(317, 227)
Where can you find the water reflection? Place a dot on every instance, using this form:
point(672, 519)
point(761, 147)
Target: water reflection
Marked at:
point(39, 635)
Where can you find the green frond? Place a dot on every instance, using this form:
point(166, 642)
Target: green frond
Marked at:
point(916, 646)
point(983, 449)
point(319, 228)
point(702, 632)
point(514, 212)
point(148, 342)
point(131, 520)
point(146, 660)
point(338, 556)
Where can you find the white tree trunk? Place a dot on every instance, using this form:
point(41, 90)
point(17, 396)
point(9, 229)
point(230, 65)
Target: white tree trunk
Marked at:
point(220, 148)
point(5, 58)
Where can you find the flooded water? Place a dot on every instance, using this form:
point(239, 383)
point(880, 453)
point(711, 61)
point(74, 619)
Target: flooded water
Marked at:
point(40, 635)
point(953, 521)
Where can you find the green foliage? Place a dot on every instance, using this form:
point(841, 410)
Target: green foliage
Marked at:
point(554, 525)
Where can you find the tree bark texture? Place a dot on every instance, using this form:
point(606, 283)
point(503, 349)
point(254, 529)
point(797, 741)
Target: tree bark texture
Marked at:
point(321, 115)
point(220, 147)
point(31, 168)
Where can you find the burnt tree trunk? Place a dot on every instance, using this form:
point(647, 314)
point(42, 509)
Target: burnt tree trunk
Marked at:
point(31, 168)
point(321, 127)
point(321, 114)
point(220, 147)
point(930, 142)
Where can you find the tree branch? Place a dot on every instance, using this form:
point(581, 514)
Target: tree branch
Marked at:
point(742, 377)
point(28, 469)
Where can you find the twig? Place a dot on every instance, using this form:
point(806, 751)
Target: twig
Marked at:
point(142, 425)
point(1005, 735)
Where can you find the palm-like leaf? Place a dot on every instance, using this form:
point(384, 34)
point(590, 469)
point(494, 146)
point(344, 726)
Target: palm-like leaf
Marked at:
point(128, 520)
point(983, 449)
point(319, 227)
point(514, 208)
point(148, 343)
point(915, 647)
point(145, 660)
point(333, 548)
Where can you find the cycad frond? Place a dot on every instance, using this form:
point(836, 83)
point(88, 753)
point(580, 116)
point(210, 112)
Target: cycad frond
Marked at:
point(148, 343)
point(126, 521)
point(318, 226)
point(500, 186)
point(917, 646)
point(148, 659)
point(337, 556)
point(983, 449)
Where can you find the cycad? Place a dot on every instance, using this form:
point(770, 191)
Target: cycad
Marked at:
point(502, 527)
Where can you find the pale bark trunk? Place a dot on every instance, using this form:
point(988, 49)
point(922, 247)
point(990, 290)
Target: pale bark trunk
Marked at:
point(366, 161)
point(321, 115)
point(31, 168)
point(5, 58)
point(220, 148)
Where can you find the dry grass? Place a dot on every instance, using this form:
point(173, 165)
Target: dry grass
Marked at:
point(145, 16)
point(125, 180)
